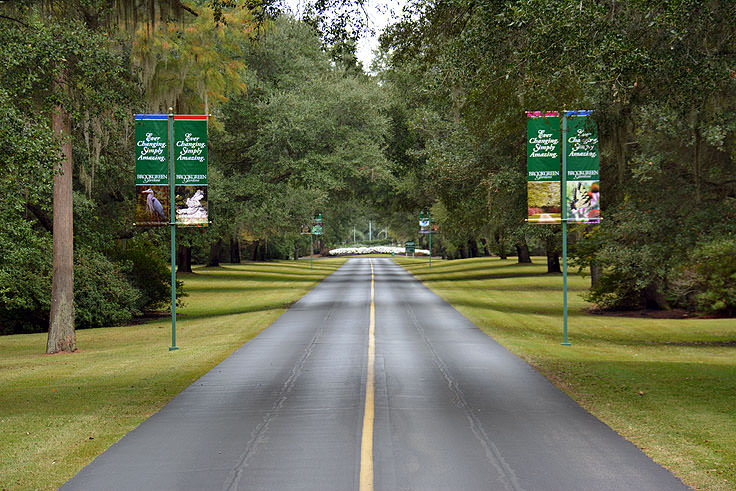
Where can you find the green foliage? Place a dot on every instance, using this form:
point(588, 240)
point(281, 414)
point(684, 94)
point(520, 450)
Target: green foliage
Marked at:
point(146, 267)
point(707, 281)
point(102, 295)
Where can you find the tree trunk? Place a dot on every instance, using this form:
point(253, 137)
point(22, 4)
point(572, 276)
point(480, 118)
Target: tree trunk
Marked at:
point(473, 248)
point(61, 322)
point(215, 249)
point(522, 252)
point(595, 273)
point(486, 249)
point(234, 250)
point(183, 259)
point(553, 262)
point(296, 251)
point(461, 251)
point(654, 298)
point(553, 256)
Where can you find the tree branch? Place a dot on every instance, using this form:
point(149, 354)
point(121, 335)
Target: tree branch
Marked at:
point(41, 216)
point(14, 20)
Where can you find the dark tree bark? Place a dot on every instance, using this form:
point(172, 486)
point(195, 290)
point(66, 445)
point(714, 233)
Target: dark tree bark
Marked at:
point(595, 273)
point(234, 250)
point(654, 298)
point(498, 236)
point(553, 256)
point(215, 250)
point(522, 252)
point(61, 322)
point(461, 251)
point(486, 249)
point(183, 259)
point(296, 251)
point(473, 248)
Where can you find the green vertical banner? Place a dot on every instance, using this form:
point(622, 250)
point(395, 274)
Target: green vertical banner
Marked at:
point(543, 165)
point(151, 169)
point(317, 225)
point(190, 158)
point(582, 196)
point(425, 224)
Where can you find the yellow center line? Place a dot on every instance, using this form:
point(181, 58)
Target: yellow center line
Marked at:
point(366, 447)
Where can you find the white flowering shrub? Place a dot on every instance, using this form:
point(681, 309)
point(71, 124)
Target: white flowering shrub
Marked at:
point(353, 251)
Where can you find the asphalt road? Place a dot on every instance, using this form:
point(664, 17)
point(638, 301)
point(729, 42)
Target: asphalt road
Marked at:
point(451, 409)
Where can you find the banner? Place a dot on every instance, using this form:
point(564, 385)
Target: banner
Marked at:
point(190, 158)
point(543, 165)
point(583, 169)
point(424, 223)
point(152, 169)
point(317, 225)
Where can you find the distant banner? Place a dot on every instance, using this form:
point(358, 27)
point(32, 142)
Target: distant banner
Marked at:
point(543, 165)
point(583, 168)
point(151, 169)
point(317, 225)
point(190, 158)
point(424, 225)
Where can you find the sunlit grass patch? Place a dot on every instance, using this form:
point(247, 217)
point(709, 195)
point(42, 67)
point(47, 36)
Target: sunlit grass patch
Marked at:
point(668, 385)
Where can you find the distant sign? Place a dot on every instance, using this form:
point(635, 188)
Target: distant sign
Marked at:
point(410, 246)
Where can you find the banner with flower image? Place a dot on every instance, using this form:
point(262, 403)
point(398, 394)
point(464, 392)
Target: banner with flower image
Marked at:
point(543, 166)
point(190, 158)
point(582, 197)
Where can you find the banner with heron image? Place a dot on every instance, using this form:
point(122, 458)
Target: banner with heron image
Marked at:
point(190, 158)
point(151, 169)
point(583, 168)
point(543, 164)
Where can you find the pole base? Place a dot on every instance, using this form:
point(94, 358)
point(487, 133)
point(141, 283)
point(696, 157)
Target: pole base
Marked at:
point(566, 344)
point(173, 348)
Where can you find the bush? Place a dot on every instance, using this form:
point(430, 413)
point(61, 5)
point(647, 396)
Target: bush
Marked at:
point(102, 294)
point(147, 269)
point(25, 279)
point(707, 282)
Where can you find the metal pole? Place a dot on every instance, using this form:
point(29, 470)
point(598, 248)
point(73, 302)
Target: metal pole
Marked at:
point(311, 249)
point(172, 223)
point(565, 341)
point(430, 244)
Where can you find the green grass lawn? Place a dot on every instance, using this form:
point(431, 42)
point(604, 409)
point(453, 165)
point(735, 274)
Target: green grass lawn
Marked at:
point(58, 412)
point(669, 385)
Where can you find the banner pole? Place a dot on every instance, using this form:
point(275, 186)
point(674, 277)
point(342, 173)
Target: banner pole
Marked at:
point(172, 223)
point(565, 341)
point(430, 243)
point(311, 249)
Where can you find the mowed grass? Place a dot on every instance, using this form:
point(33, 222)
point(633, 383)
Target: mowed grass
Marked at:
point(58, 412)
point(669, 386)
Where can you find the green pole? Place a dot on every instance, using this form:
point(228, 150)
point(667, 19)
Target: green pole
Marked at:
point(430, 244)
point(172, 223)
point(311, 249)
point(565, 341)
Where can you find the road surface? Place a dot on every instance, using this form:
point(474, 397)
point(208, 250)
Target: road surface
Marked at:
point(371, 379)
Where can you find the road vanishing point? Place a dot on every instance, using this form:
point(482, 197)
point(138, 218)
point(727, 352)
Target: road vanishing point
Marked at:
point(371, 381)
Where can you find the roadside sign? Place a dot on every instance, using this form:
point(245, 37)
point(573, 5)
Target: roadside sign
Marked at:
point(410, 247)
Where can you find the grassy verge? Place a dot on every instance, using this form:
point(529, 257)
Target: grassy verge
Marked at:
point(58, 412)
point(667, 385)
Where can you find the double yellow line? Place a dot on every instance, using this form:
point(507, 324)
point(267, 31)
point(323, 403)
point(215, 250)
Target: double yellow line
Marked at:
point(366, 447)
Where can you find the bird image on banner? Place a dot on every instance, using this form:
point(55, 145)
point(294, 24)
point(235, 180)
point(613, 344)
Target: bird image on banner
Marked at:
point(155, 209)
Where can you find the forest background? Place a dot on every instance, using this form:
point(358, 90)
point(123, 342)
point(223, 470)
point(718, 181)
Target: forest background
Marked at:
point(299, 128)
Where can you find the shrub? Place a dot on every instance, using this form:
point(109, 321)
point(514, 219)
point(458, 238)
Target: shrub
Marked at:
point(707, 282)
point(102, 294)
point(147, 269)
